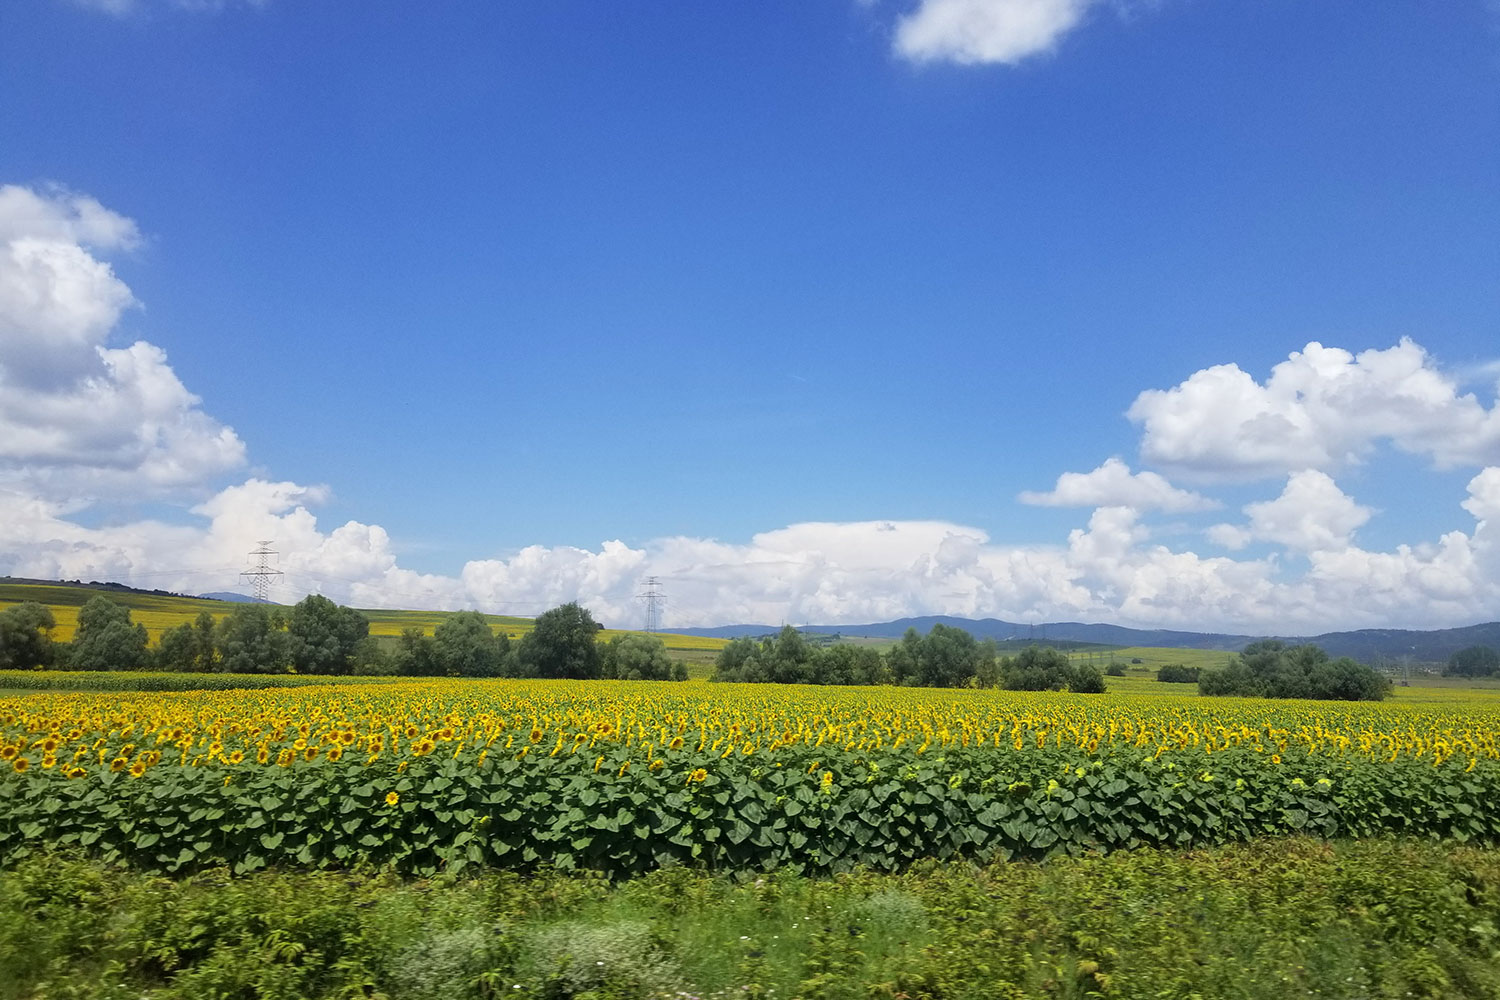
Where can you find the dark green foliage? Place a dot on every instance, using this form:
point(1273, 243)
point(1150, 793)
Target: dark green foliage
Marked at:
point(849, 664)
point(252, 639)
point(26, 637)
point(639, 658)
point(562, 643)
point(106, 640)
point(1042, 668)
point(584, 809)
point(1176, 673)
point(188, 647)
point(464, 646)
point(1115, 669)
point(323, 636)
point(415, 655)
point(1476, 661)
point(1272, 669)
point(1293, 917)
point(945, 657)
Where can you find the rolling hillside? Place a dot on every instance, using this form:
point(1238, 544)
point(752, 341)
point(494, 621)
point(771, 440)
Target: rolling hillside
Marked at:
point(159, 612)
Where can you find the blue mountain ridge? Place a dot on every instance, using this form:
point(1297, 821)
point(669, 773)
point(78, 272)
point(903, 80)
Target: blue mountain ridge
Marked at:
point(1427, 646)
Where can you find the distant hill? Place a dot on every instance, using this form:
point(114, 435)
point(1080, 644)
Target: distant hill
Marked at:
point(994, 628)
point(228, 596)
point(160, 610)
point(1434, 646)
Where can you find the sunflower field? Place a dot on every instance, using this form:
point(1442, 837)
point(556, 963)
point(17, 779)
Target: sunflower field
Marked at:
point(625, 777)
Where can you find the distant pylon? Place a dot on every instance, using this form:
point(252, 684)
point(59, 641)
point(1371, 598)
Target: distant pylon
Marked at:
point(655, 600)
point(259, 578)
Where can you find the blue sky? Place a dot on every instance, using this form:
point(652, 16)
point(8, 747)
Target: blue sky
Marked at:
point(745, 291)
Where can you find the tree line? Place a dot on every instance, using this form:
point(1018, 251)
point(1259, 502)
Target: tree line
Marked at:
point(1270, 668)
point(318, 636)
point(1476, 661)
point(946, 656)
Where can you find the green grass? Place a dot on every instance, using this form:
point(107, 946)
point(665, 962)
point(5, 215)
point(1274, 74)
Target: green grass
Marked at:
point(1265, 921)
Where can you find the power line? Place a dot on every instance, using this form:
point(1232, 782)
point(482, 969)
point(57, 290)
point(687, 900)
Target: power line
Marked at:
point(260, 577)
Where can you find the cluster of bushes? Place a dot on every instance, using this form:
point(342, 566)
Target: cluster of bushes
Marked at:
point(320, 637)
point(1176, 673)
point(563, 643)
point(944, 657)
point(1476, 661)
point(1272, 669)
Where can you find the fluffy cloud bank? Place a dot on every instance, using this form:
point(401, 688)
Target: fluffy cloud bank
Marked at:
point(82, 420)
point(1323, 408)
point(79, 418)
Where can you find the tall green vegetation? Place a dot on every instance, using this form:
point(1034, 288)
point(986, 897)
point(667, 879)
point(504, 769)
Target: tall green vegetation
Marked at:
point(106, 639)
point(189, 647)
point(26, 637)
point(1263, 921)
point(1476, 661)
point(639, 658)
point(324, 637)
point(563, 643)
point(944, 657)
point(1272, 669)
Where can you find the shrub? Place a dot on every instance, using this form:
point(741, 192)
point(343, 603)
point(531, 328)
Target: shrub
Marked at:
point(1176, 673)
point(1042, 668)
point(1271, 669)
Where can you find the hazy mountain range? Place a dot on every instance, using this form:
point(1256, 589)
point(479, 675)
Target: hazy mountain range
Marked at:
point(1366, 644)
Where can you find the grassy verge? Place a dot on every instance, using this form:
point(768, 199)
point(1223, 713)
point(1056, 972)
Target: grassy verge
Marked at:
point(1278, 918)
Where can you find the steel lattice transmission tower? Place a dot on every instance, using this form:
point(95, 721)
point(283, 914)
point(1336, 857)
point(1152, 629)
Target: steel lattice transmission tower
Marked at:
point(260, 577)
point(654, 600)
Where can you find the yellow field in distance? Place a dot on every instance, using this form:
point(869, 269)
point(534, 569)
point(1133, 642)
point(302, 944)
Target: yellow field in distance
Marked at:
point(160, 612)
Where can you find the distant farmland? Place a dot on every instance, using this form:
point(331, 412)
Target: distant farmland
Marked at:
point(160, 612)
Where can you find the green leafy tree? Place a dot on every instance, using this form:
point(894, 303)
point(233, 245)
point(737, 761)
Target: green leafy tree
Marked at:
point(252, 639)
point(324, 636)
point(563, 643)
point(1476, 661)
point(638, 658)
point(464, 646)
point(905, 658)
point(844, 663)
point(1042, 668)
point(26, 637)
point(188, 647)
point(415, 655)
point(106, 639)
point(737, 663)
point(1269, 668)
point(945, 657)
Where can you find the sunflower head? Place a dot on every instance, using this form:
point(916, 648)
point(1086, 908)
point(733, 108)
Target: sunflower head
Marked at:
point(697, 775)
point(391, 798)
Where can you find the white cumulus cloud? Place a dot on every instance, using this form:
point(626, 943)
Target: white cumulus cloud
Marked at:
point(1323, 408)
point(1311, 515)
point(1113, 484)
point(986, 31)
point(78, 417)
